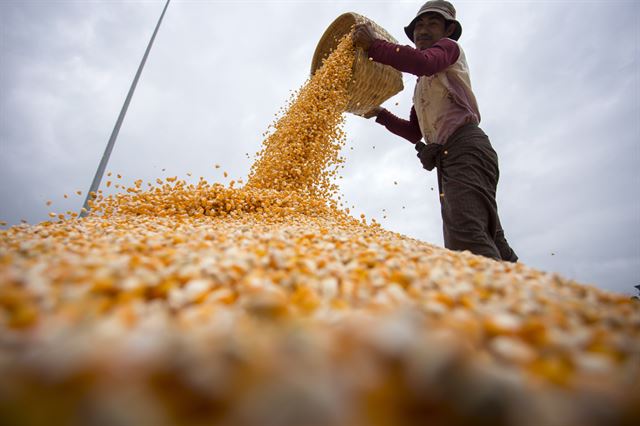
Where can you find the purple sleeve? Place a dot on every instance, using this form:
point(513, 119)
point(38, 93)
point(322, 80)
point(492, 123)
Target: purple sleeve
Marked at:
point(418, 62)
point(410, 130)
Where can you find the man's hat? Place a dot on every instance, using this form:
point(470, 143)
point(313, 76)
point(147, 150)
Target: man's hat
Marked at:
point(441, 7)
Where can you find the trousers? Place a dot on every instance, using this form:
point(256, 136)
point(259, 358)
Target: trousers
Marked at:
point(468, 173)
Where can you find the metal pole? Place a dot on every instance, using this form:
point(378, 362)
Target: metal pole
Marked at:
point(116, 129)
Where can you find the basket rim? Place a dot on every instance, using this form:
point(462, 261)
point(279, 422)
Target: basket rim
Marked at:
point(330, 32)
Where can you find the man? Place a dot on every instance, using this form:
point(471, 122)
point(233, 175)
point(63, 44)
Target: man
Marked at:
point(445, 113)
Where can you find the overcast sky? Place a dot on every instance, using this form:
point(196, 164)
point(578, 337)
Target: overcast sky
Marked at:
point(558, 84)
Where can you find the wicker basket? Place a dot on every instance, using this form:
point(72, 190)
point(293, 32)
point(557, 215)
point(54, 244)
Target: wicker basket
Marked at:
point(374, 82)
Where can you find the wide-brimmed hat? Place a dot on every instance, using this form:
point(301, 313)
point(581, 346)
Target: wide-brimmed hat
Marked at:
point(442, 7)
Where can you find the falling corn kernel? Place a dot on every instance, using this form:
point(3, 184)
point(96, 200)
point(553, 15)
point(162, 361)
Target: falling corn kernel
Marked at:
point(49, 203)
point(79, 192)
point(108, 183)
point(397, 49)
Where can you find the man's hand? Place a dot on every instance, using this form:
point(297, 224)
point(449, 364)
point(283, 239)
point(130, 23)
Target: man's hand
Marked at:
point(363, 36)
point(372, 113)
point(428, 154)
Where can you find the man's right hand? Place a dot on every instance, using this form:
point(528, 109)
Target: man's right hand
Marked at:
point(372, 113)
point(363, 36)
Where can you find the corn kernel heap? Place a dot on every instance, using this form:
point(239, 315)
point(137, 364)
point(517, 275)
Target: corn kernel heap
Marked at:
point(267, 305)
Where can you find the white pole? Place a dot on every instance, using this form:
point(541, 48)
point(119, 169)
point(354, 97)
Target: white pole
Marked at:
point(116, 129)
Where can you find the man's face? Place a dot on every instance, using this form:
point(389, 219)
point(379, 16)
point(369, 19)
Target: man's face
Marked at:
point(429, 28)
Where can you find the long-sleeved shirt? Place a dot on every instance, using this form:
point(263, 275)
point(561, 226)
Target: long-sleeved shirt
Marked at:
point(424, 63)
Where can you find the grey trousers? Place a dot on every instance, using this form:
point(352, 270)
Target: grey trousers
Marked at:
point(467, 179)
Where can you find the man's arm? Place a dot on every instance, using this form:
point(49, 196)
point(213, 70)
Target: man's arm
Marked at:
point(408, 129)
point(418, 62)
point(430, 61)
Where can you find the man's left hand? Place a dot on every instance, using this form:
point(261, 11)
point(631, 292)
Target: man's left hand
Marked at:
point(363, 36)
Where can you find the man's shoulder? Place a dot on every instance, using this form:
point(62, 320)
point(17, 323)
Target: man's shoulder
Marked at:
point(452, 49)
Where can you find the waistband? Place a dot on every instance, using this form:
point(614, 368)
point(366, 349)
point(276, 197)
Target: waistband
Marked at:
point(430, 154)
point(467, 130)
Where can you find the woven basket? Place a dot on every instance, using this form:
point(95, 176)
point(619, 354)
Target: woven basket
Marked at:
point(374, 82)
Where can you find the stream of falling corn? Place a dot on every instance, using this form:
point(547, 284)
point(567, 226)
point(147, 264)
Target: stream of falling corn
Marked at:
point(266, 304)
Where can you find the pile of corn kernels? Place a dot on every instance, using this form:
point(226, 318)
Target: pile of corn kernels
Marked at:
point(268, 305)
